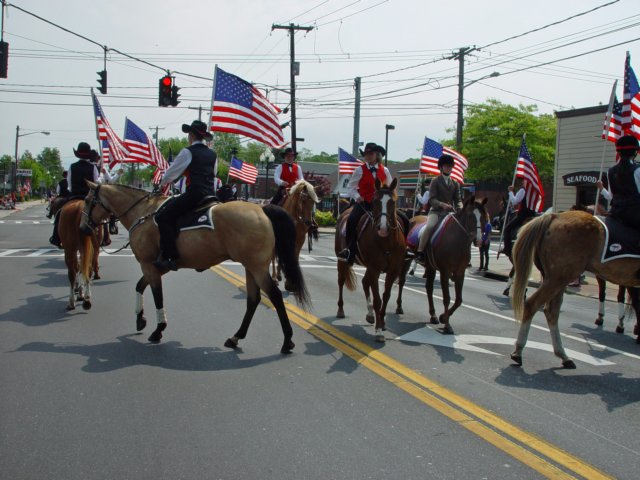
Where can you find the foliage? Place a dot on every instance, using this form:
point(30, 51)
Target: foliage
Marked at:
point(322, 157)
point(321, 183)
point(172, 145)
point(325, 219)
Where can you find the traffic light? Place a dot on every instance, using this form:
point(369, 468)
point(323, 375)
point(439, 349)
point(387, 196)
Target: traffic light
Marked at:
point(102, 81)
point(4, 59)
point(165, 97)
point(174, 95)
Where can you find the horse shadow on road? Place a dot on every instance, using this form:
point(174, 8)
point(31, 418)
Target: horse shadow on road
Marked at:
point(38, 312)
point(129, 352)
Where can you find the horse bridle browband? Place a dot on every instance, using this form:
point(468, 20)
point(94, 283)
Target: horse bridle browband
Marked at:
point(95, 200)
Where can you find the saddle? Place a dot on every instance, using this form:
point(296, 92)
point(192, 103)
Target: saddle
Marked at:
point(413, 238)
point(199, 217)
point(620, 240)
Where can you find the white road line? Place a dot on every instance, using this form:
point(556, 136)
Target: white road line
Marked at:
point(10, 251)
point(40, 252)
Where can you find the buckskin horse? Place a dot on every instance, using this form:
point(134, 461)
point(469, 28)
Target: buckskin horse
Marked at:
point(450, 255)
point(562, 245)
point(244, 232)
point(381, 249)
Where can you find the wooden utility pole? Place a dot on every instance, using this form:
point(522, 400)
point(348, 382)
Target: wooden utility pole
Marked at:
point(356, 119)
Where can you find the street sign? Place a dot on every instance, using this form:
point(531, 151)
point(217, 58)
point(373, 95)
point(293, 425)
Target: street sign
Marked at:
point(23, 172)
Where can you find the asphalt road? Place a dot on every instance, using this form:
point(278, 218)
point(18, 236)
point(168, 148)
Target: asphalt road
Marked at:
point(83, 396)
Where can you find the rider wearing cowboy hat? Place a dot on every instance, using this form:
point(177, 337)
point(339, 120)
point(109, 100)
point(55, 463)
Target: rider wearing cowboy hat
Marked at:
point(286, 174)
point(79, 172)
point(444, 197)
point(198, 164)
point(624, 183)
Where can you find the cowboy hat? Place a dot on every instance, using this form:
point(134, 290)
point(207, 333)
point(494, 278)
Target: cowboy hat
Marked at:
point(287, 151)
point(198, 128)
point(372, 147)
point(83, 151)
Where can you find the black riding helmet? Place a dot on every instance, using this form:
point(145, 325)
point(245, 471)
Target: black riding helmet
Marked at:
point(445, 160)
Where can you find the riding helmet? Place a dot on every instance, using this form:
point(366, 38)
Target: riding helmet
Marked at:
point(445, 160)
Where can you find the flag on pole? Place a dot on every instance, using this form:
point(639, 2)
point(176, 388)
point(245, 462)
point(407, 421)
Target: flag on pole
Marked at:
point(238, 107)
point(612, 130)
point(526, 169)
point(347, 163)
point(117, 151)
point(141, 147)
point(630, 101)
point(432, 151)
point(243, 171)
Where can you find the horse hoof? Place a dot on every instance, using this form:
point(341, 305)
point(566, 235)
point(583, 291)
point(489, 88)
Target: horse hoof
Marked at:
point(96, 276)
point(441, 319)
point(86, 305)
point(619, 329)
point(517, 359)
point(506, 292)
point(370, 319)
point(379, 338)
point(231, 344)
point(447, 330)
point(156, 336)
point(287, 347)
point(569, 365)
point(399, 311)
point(340, 314)
point(70, 307)
point(434, 320)
point(141, 322)
point(599, 321)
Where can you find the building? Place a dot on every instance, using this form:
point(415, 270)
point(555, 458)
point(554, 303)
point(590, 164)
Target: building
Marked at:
point(579, 155)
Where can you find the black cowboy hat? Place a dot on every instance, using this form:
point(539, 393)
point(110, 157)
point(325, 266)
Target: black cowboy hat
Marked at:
point(198, 128)
point(372, 147)
point(445, 160)
point(287, 151)
point(83, 151)
point(95, 156)
point(627, 142)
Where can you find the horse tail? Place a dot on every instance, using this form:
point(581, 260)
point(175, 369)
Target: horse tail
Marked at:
point(284, 230)
point(524, 252)
point(349, 277)
point(87, 257)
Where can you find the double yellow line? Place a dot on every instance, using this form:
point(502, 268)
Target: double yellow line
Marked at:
point(529, 449)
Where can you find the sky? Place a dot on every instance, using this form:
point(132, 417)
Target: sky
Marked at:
point(400, 48)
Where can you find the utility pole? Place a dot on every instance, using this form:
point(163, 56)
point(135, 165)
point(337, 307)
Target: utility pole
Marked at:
point(155, 135)
point(356, 119)
point(199, 108)
point(460, 57)
point(294, 69)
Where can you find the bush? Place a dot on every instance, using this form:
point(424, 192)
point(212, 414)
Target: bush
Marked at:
point(325, 219)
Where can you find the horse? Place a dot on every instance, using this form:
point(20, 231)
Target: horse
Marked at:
point(244, 232)
point(623, 309)
point(300, 203)
point(381, 249)
point(450, 255)
point(562, 245)
point(78, 242)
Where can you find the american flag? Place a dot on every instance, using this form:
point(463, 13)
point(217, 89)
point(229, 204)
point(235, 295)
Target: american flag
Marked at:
point(612, 130)
point(347, 163)
point(141, 147)
point(526, 169)
point(238, 107)
point(432, 151)
point(117, 151)
point(630, 101)
point(242, 171)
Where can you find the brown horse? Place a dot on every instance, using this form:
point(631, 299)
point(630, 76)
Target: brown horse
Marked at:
point(76, 243)
point(244, 232)
point(562, 246)
point(300, 204)
point(623, 308)
point(451, 255)
point(381, 249)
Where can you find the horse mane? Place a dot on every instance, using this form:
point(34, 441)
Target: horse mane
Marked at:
point(128, 187)
point(303, 183)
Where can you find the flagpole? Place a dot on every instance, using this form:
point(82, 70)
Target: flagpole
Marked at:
point(415, 197)
point(213, 94)
point(506, 213)
point(95, 118)
point(607, 122)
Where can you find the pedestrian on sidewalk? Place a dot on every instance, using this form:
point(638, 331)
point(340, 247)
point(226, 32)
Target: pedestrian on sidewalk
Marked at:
point(485, 243)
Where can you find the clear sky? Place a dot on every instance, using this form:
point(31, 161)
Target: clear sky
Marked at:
point(51, 71)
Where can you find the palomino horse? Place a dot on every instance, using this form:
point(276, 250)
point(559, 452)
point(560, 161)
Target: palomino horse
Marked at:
point(75, 242)
point(563, 246)
point(381, 249)
point(244, 232)
point(299, 203)
point(450, 255)
point(623, 308)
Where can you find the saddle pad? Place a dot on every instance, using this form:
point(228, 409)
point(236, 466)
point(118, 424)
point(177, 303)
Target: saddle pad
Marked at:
point(440, 228)
point(620, 240)
point(413, 239)
point(202, 217)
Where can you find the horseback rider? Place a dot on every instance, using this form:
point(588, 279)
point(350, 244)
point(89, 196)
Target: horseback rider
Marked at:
point(444, 198)
point(286, 174)
point(79, 173)
point(523, 213)
point(624, 183)
point(62, 192)
point(197, 163)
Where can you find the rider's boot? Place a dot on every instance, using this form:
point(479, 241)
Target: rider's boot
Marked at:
point(55, 239)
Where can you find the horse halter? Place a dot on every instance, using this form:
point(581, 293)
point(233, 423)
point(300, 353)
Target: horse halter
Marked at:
point(96, 200)
point(303, 196)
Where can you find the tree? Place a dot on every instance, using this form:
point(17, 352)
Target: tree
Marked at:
point(251, 152)
point(492, 136)
point(49, 160)
point(172, 145)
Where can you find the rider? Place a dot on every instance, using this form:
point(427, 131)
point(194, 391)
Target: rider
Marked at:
point(62, 192)
point(198, 164)
point(79, 172)
point(624, 183)
point(522, 214)
point(444, 197)
point(286, 174)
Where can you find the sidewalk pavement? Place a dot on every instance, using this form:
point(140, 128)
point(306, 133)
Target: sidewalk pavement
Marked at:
point(499, 270)
point(22, 206)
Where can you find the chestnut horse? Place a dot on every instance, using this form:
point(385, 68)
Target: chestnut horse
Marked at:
point(381, 249)
point(244, 232)
point(451, 255)
point(624, 309)
point(299, 203)
point(562, 245)
point(76, 243)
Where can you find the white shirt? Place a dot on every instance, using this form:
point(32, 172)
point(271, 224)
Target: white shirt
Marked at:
point(179, 165)
point(217, 183)
point(606, 194)
point(352, 187)
point(424, 198)
point(278, 173)
point(96, 176)
point(517, 198)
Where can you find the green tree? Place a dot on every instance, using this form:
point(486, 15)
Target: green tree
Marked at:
point(225, 144)
point(251, 152)
point(492, 135)
point(49, 160)
point(172, 145)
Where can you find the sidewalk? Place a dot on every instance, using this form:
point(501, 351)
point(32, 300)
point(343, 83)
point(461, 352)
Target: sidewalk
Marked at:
point(22, 206)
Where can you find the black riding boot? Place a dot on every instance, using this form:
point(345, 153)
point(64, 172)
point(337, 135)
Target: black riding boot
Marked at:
point(55, 238)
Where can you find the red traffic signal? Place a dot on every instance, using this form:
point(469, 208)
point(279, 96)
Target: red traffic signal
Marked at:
point(164, 93)
point(166, 81)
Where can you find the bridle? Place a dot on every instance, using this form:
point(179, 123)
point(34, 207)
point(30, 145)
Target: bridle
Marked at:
point(96, 200)
point(302, 198)
point(464, 228)
point(377, 219)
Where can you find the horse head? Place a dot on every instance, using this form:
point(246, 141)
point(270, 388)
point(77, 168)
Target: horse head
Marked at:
point(384, 208)
point(473, 218)
point(304, 198)
point(94, 211)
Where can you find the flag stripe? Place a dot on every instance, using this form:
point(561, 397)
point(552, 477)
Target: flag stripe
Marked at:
point(243, 171)
point(526, 169)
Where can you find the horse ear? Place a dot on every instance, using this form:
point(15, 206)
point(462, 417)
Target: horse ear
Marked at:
point(378, 184)
point(394, 184)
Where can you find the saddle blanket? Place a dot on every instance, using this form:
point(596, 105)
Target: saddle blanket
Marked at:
point(620, 240)
point(413, 239)
point(202, 217)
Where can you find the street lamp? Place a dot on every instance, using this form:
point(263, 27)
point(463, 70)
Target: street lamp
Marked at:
point(461, 87)
point(18, 135)
point(386, 141)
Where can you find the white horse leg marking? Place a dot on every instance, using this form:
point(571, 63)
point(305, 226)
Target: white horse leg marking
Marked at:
point(556, 341)
point(160, 315)
point(509, 282)
point(139, 302)
point(369, 306)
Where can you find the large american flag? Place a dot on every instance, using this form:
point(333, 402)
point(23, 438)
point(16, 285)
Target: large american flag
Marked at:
point(242, 171)
point(527, 170)
point(141, 147)
point(117, 151)
point(238, 107)
point(630, 101)
point(612, 130)
point(432, 151)
point(347, 163)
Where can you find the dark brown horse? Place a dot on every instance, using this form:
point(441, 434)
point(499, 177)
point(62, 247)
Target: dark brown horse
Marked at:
point(562, 246)
point(451, 255)
point(244, 232)
point(381, 249)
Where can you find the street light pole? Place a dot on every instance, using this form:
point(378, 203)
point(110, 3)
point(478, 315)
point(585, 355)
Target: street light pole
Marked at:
point(386, 141)
point(461, 87)
point(15, 172)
